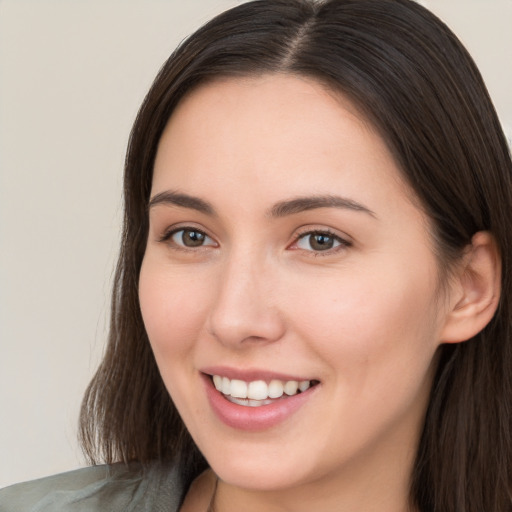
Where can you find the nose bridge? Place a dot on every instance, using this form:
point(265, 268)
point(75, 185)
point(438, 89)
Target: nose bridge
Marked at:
point(243, 310)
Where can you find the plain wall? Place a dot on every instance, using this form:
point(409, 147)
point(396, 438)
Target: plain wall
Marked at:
point(72, 75)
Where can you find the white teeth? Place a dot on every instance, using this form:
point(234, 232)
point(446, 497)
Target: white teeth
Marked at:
point(291, 387)
point(304, 384)
point(238, 389)
point(226, 386)
point(275, 389)
point(247, 402)
point(257, 392)
point(217, 381)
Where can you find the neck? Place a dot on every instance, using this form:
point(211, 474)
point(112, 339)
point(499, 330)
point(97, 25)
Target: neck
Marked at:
point(202, 493)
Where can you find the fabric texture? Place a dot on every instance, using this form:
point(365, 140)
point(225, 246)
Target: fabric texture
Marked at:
point(115, 488)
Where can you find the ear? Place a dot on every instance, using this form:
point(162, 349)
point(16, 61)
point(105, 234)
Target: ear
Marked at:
point(475, 293)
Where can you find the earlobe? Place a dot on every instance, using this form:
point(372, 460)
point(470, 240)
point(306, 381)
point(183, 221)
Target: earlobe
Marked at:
point(476, 293)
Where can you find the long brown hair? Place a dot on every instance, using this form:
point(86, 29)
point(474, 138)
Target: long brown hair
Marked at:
point(414, 81)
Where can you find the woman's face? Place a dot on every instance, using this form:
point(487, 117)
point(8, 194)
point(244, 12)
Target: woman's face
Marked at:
point(284, 249)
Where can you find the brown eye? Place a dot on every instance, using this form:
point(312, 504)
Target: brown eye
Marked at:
point(191, 238)
point(319, 241)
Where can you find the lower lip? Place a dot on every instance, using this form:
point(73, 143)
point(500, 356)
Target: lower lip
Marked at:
point(254, 418)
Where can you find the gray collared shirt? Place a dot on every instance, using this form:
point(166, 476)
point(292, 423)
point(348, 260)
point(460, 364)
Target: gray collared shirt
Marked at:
point(115, 488)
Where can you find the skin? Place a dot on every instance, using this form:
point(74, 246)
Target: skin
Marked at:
point(364, 318)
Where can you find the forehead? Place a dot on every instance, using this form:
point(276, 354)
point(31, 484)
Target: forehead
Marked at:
point(271, 128)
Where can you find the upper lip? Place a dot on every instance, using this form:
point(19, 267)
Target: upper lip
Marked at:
point(252, 374)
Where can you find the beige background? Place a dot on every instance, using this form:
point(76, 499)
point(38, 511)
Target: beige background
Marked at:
point(72, 75)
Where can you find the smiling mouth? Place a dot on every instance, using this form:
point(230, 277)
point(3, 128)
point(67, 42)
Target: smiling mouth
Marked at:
point(257, 393)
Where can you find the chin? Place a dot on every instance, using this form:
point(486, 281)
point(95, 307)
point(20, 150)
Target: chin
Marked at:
point(268, 465)
point(260, 476)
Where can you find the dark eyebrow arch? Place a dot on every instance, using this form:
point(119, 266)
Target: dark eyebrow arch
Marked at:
point(173, 198)
point(301, 204)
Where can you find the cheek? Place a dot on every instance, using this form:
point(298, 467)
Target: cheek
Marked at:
point(371, 321)
point(173, 310)
point(173, 307)
point(375, 336)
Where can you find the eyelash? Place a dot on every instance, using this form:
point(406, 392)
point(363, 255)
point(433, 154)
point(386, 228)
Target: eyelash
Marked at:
point(167, 236)
point(343, 244)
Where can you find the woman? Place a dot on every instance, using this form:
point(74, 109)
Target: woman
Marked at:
point(312, 298)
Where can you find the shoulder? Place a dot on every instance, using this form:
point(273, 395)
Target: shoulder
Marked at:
point(112, 488)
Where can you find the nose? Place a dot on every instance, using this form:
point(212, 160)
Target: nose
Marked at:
point(245, 309)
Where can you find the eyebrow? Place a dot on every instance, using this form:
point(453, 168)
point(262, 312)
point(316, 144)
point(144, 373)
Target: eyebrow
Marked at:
point(301, 204)
point(280, 209)
point(173, 198)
